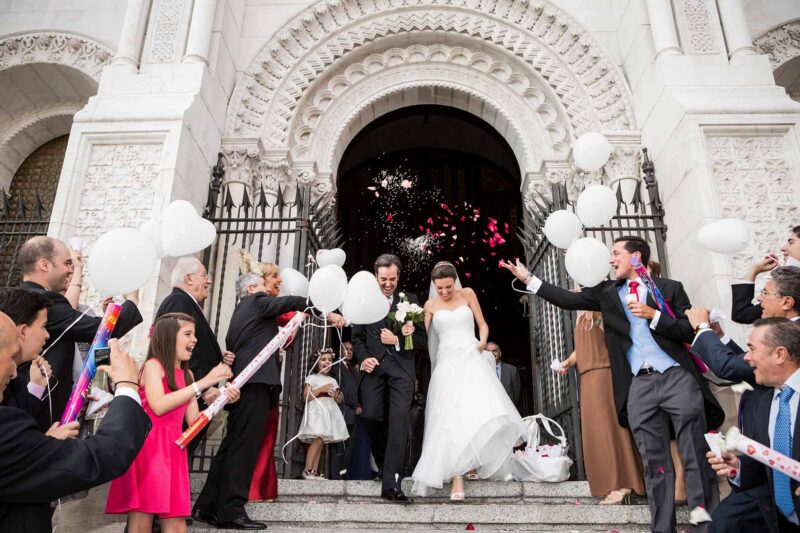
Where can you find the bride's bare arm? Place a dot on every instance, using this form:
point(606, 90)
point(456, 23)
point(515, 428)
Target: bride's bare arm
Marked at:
point(428, 314)
point(483, 327)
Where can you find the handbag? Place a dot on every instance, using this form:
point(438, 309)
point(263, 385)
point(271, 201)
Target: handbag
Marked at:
point(542, 462)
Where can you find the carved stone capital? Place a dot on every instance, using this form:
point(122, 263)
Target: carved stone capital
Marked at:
point(780, 44)
point(305, 173)
point(241, 161)
point(273, 171)
point(623, 163)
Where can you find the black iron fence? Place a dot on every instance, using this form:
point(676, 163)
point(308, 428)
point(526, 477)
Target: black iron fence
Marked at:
point(639, 212)
point(280, 227)
point(19, 221)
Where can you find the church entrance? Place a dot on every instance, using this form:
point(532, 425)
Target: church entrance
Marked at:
point(433, 183)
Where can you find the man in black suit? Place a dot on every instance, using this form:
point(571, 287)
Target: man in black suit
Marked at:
point(507, 374)
point(743, 310)
point(348, 379)
point(36, 469)
point(763, 500)
point(387, 376)
point(190, 285)
point(46, 266)
point(253, 324)
point(655, 379)
point(779, 299)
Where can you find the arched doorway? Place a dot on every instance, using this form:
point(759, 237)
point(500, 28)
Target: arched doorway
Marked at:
point(433, 183)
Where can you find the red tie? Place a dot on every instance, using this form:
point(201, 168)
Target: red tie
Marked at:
point(634, 285)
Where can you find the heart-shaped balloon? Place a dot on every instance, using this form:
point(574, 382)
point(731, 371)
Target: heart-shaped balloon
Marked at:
point(335, 256)
point(184, 232)
point(726, 236)
point(121, 261)
point(364, 302)
point(293, 283)
point(152, 230)
point(327, 288)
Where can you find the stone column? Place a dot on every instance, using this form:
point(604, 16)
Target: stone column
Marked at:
point(200, 31)
point(734, 26)
point(662, 26)
point(130, 41)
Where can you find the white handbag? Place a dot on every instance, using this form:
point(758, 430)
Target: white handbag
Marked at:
point(543, 462)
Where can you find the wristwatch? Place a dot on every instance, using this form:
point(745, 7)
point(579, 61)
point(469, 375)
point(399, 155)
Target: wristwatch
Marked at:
point(702, 325)
point(196, 389)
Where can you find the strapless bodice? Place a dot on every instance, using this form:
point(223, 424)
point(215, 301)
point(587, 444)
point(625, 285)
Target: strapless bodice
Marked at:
point(454, 327)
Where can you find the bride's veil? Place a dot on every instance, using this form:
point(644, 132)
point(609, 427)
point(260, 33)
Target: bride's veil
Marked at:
point(433, 338)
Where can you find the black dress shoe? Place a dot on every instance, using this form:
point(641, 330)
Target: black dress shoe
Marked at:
point(396, 495)
point(207, 518)
point(242, 522)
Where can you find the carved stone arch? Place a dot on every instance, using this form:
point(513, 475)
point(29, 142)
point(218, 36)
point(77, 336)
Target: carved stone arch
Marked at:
point(76, 51)
point(574, 65)
point(781, 44)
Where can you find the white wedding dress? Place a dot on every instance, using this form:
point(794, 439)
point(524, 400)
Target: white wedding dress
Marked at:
point(470, 422)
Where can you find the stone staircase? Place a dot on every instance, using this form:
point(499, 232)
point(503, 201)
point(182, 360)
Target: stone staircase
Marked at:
point(489, 506)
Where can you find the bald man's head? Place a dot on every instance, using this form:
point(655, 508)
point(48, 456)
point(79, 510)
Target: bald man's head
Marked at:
point(9, 347)
point(46, 261)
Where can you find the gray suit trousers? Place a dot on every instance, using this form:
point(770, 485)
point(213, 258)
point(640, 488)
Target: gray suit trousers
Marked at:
point(654, 401)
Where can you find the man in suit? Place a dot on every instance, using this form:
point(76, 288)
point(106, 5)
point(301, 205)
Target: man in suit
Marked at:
point(253, 324)
point(36, 469)
point(46, 266)
point(655, 379)
point(387, 377)
point(780, 298)
point(190, 285)
point(763, 499)
point(743, 310)
point(348, 384)
point(507, 374)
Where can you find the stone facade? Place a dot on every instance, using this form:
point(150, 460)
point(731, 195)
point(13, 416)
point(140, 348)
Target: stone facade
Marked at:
point(280, 89)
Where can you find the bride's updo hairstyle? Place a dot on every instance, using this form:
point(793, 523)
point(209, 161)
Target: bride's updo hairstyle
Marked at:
point(444, 269)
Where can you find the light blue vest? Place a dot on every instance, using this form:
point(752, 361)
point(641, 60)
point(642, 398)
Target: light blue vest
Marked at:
point(644, 347)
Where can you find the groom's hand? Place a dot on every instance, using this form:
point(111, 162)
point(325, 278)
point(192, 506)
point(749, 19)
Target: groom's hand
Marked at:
point(389, 338)
point(369, 365)
point(407, 329)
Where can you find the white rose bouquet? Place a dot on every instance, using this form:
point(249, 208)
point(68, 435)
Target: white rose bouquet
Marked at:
point(407, 312)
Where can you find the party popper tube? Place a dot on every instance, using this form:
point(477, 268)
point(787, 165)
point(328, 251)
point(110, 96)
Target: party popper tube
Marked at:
point(284, 334)
point(81, 388)
point(735, 441)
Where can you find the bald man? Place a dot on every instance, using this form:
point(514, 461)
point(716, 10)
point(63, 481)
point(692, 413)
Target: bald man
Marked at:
point(46, 265)
point(36, 469)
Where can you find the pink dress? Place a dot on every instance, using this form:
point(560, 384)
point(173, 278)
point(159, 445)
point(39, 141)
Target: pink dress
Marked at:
point(158, 480)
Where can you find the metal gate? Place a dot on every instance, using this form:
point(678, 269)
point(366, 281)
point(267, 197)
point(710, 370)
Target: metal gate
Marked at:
point(551, 328)
point(275, 229)
point(18, 222)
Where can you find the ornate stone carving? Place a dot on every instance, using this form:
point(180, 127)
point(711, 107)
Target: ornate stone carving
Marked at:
point(52, 47)
point(241, 162)
point(166, 28)
point(623, 163)
point(29, 116)
point(753, 181)
point(273, 171)
point(780, 44)
point(119, 188)
point(572, 63)
point(700, 34)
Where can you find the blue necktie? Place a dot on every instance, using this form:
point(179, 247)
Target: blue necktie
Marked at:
point(782, 442)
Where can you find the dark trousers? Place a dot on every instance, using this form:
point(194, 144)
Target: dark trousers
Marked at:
point(228, 483)
point(654, 401)
point(341, 454)
point(386, 396)
point(744, 511)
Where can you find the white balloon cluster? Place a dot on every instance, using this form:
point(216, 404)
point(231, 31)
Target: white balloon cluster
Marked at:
point(726, 236)
point(591, 151)
point(123, 259)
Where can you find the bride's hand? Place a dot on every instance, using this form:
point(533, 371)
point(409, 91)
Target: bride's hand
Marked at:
point(481, 347)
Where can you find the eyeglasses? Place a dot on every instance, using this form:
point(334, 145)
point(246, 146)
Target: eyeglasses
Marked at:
point(765, 292)
point(203, 275)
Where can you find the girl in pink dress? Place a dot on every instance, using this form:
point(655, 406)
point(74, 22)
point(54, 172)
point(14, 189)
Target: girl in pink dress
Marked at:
point(157, 483)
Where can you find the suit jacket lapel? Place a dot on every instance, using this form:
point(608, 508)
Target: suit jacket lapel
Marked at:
point(613, 290)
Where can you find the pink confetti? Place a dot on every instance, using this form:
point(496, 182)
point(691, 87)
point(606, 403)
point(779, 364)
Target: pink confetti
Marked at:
point(661, 470)
point(406, 184)
point(372, 188)
point(389, 217)
point(577, 501)
point(467, 274)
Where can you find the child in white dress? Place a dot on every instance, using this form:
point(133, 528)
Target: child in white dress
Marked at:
point(323, 422)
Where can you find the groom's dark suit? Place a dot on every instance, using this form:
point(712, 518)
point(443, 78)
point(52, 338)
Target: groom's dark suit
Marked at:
point(391, 382)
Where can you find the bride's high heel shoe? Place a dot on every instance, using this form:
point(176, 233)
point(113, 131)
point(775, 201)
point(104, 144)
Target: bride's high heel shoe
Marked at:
point(472, 475)
point(457, 496)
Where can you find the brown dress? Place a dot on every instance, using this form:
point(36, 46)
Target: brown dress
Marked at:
point(610, 456)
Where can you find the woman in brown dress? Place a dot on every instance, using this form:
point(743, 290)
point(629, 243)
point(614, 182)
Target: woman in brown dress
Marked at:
point(613, 465)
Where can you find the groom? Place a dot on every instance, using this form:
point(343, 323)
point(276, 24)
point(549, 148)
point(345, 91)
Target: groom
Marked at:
point(387, 385)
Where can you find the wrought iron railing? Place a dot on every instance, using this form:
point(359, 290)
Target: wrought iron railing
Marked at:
point(19, 221)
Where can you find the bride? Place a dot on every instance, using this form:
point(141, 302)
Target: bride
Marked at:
point(471, 425)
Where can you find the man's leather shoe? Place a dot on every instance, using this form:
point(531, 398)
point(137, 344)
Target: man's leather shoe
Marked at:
point(242, 522)
point(207, 518)
point(396, 495)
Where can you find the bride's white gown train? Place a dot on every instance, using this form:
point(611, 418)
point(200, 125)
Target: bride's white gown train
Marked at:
point(470, 422)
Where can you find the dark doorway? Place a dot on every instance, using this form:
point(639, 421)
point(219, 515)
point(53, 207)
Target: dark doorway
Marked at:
point(433, 183)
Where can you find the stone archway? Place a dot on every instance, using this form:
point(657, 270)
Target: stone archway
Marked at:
point(527, 68)
point(782, 45)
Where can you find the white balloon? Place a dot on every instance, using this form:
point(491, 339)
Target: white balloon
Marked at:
point(121, 261)
point(327, 288)
point(293, 283)
point(596, 205)
point(152, 230)
point(726, 236)
point(591, 151)
point(587, 261)
point(335, 256)
point(364, 302)
point(184, 232)
point(562, 227)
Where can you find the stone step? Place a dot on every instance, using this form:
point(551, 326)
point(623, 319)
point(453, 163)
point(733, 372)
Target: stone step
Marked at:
point(422, 516)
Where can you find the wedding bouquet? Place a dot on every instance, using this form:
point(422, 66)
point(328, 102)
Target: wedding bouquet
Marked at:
point(407, 312)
